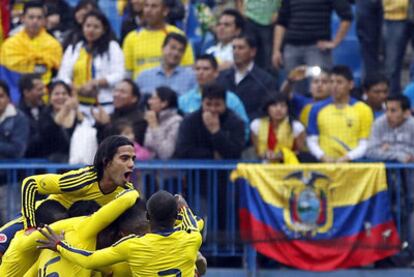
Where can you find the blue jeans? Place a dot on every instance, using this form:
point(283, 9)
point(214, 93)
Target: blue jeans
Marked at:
point(368, 28)
point(396, 35)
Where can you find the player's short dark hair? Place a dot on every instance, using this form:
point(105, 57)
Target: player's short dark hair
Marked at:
point(133, 220)
point(135, 89)
point(50, 211)
point(106, 152)
point(248, 38)
point(83, 207)
point(162, 209)
point(374, 79)
point(213, 91)
point(404, 101)
point(177, 37)
point(5, 87)
point(26, 81)
point(238, 18)
point(344, 71)
point(54, 84)
point(167, 94)
point(34, 5)
point(210, 58)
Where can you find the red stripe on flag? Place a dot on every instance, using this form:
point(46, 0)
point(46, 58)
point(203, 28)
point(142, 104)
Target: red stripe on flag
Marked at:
point(321, 255)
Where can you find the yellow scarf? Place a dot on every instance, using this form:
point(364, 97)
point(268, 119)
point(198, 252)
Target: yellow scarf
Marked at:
point(21, 53)
point(83, 72)
point(284, 136)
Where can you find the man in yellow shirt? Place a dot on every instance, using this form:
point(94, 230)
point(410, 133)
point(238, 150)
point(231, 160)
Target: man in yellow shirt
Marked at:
point(339, 127)
point(142, 48)
point(109, 175)
point(32, 50)
point(165, 251)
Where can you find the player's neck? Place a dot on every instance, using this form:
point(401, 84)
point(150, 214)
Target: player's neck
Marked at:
point(106, 185)
point(340, 102)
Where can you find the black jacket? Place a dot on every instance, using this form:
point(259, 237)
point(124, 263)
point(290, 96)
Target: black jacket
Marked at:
point(196, 142)
point(253, 90)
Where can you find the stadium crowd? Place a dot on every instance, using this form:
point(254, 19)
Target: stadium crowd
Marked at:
point(255, 80)
point(67, 83)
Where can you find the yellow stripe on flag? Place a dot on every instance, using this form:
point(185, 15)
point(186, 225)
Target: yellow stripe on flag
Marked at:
point(351, 183)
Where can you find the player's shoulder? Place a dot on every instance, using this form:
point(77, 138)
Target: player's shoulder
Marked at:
point(173, 29)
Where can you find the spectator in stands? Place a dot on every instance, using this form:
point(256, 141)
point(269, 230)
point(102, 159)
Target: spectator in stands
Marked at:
point(230, 24)
point(206, 69)
point(126, 98)
point(94, 64)
point(320, 89)
point(276, 136)
point(142, 48)
point(392, 137)
point(305, 32)
point(32, 50)
point(376, 90)
point(133, 17)
point(397, 32)
point(213, 131)
point(75, 33)
point(125, 128)
point(14, 127)
point(58, 17)
point(169, 73)
point(260, 17)
point(368, 27)
point(57, 123)
point(31, 104)
point(163, 123)
point(339, 127)
point(251, 83)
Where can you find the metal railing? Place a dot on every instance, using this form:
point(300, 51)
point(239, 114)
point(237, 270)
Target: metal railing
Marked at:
point(211, 194)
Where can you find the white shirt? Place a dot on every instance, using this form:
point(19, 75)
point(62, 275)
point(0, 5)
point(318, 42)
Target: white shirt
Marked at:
point(223, 53)
point(239, 76)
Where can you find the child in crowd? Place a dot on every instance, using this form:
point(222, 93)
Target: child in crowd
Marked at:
point(276, 136)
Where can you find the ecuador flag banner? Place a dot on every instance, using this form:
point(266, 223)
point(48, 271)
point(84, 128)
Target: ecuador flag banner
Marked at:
point(317, 216)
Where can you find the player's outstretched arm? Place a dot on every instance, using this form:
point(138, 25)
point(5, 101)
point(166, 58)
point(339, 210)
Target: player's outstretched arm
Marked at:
point(44, 184)
point(87, 259)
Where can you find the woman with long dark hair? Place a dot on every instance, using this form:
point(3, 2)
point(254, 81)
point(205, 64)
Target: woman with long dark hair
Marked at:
point(94, 64)
point(277, 137)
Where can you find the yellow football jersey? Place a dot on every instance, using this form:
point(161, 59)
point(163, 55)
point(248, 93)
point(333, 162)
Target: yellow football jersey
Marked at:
point(170, 253)
point(67, 188)
point(340, 129)
point(79, 231)
point(143, 49)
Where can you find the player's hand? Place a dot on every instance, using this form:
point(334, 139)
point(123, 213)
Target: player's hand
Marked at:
point(181, 203)
point(201, 264)
point(52, 239)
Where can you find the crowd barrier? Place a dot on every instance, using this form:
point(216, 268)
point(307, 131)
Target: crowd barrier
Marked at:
point(211, 194)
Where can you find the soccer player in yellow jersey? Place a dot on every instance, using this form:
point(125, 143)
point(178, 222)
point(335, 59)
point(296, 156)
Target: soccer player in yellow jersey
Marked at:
point(339, 127)
point(142, 48)
point(109, 175)
point(49, 211)
point(80, 231)
point(165, 251)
